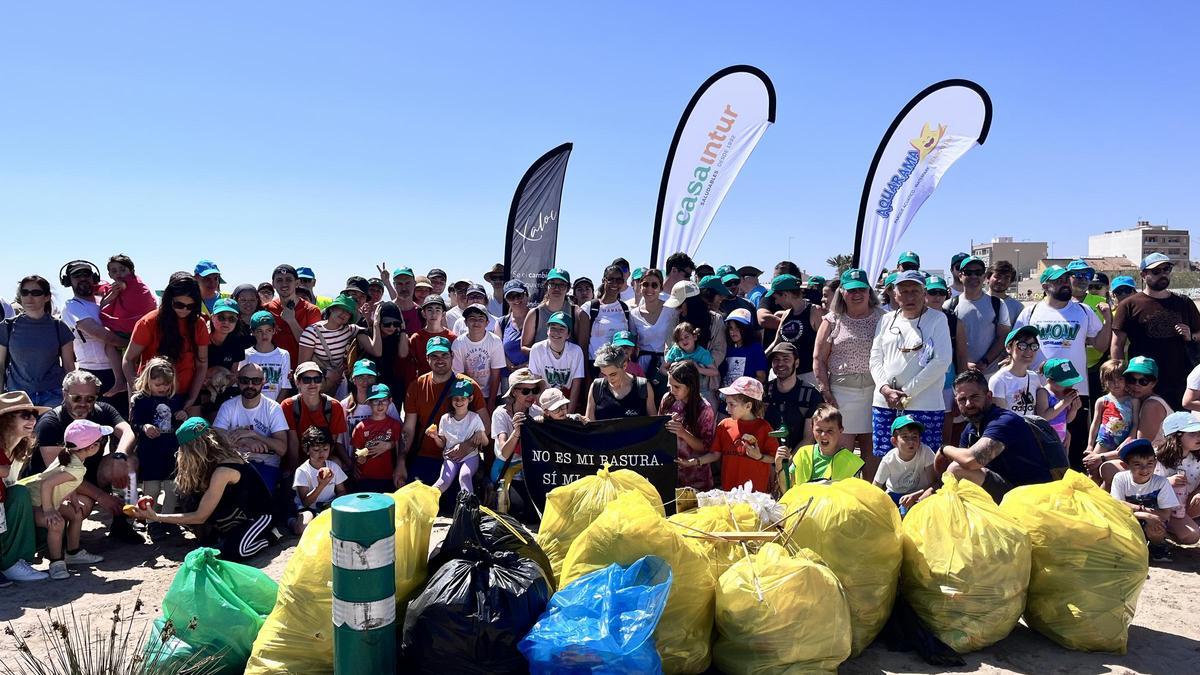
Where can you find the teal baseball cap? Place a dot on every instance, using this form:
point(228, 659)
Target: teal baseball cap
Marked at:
point(261, 318)
point(1122, 282)
point(207, 268)
point(909, 257)
point(731, 277)
point(724, 270)
point(638, 273)
point(1143, 365)
point(403, 272)
point(890, 279)
point(783, 282)
point(623, 338)
point(854, 279)
point(378, 391)
point(225, 305)
point(191, 429)
point(1063, 372)
point(815, 281)
point(1052, 273)
point(936, 283)
point(905, 421)
point(712, 282)
point(970, 260)
point(462, 387)
point(1023, 331)
point(559, 318)
point(364, 367)
point(436, 344)
point(558, 274)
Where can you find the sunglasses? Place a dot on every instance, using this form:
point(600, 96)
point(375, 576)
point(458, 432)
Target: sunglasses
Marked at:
point(35, 292)
point(249, 380)
point(27, 415)
point(312, 379)
point(1160, 270)
point(524, 391)
point(1028, 346)
point(82, 398)
point(182, 305)
point(1084, 275)
point(392, 324)
point(1140, 381)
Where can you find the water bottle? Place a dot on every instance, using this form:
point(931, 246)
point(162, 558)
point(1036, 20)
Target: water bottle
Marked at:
point(131, 490)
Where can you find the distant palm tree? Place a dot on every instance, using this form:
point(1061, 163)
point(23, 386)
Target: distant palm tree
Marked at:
point(840, 262)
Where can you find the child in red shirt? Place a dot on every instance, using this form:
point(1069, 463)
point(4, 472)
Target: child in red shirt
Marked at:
point(376, 444)
point(743, 439)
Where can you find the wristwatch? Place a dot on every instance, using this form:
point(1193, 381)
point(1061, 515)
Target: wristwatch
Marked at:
point(119, 455)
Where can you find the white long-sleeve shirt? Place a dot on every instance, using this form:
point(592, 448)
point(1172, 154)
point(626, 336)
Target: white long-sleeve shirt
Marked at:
point(914, 353)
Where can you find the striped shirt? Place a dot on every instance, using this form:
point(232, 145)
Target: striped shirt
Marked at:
point(338, 342)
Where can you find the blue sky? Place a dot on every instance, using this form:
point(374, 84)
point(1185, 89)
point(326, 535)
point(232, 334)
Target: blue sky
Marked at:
point(340, 135)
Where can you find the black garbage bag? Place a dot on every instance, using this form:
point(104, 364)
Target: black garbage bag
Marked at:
point(480, 600)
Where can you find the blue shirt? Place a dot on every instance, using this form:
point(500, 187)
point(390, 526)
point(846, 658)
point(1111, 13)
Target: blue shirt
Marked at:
point(756, 294)
point(1022, 462)
point(700, 355)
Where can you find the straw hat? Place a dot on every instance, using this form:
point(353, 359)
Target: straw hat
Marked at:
point(16, 401)
point(524, 377)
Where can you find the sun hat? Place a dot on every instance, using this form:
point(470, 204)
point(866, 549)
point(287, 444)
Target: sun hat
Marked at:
point(1143, 365)
point(1154, 260)
point(909, 257)
point(936, 283)
point(15, 401)
point(783, 282)
point(1123, 281)
point(515, 286)
point(1143, 446)
point(343, 301)
point(522, 377)
point(552, 399)
point(461, 387)
point(474, 308)
point(905, 421)
point(207, 268)
point(433, 299)
point(781, 348)
point(403, 272)
point(422, 282)
point(436, 344)
point(854, 279)
point(712, 282)
point(622, 338)
point(1180, 421)
point(378, 392)
point(682, 291)
point(191, 429)
point(1052, 273)
point(749, 271)
point(357, 283)
point(364, 367)
point(1062, 372)
point(496, 271)
point(746, 386)
point(740, 315)
point(1023, 331)
point(309, 367)
point(558, 274)
point(261, 318)
point(305, 273)
point(559, 318)
point(225, 305)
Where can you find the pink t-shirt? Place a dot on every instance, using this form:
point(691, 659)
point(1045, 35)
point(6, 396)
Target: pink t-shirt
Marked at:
point(132, 304)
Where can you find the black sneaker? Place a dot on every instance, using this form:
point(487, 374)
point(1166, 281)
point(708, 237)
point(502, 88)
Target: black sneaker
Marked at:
point(122, 531)
point(1160, 553)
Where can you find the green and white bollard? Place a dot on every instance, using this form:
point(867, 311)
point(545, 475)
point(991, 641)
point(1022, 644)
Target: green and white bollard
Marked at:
point(364, 584)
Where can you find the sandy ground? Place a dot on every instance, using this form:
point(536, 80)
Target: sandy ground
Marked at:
point(1165, 637)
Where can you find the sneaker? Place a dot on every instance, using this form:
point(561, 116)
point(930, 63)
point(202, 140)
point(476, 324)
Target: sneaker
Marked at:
point(1160, 553)
point(58, 570)
point(23, 571)
point(82, 557)
point(122, 531)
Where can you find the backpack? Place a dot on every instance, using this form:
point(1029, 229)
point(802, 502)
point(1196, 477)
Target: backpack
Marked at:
point(298, 412)
point(996, 304)
point(1049, 443)
point(594, 311)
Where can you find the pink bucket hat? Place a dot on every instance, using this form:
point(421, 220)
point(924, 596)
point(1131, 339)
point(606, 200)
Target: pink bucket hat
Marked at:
point(746, 386)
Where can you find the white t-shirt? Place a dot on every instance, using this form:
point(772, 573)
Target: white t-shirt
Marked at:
point(458, 431)
point(905, 477)
point(1019, 394)
point(89, 352)
point(264, 419)
point(476, 359)
point(653, 337)
point(459, 327)
point(1193, 378)
point(360, 413)
point(1190, 467)
point(610, 318)
point(558, 371)
point(306, 477)
point(502, 422)
point(452, 316)
point(627, 294)
point(1063, 334)
point(1155, 493)
point(277, 370)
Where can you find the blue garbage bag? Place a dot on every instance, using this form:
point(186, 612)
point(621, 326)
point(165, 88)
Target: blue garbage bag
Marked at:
point(603, 622)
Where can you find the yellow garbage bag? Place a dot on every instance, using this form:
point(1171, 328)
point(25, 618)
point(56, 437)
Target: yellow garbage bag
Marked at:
point(572, 507)
point(718, 518)
point(780, 613)
point(855, 528)
point(630, 528)
point(966, 566)
point(1089, 562)
point(297, 638)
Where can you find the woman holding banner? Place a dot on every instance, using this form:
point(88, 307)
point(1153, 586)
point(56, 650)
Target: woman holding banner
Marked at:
point(616, 393)
point(524, 388)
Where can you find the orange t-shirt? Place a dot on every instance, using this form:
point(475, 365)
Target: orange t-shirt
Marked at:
point(146, 334)
point(335, 425)
point(306, 315)
point(736, 467)
point(419, 401)
point(416, 347)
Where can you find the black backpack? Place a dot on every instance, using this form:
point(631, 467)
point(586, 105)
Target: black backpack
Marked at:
point(1049, 443)
point(996, 303)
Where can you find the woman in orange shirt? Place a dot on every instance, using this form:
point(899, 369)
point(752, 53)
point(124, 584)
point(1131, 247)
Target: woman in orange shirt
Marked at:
point(174, 331)
point(743, 439)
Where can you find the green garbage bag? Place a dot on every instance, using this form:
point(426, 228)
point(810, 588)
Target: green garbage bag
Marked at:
point(213, 607)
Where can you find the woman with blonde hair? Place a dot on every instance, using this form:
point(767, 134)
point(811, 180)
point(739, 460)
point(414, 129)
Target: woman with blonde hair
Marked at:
point(232, 511)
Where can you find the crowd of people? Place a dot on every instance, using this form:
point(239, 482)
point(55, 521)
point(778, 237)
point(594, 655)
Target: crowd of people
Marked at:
point(240, 413)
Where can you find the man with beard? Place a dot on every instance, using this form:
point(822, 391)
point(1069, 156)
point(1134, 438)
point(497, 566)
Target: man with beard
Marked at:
point(425, 402)
point(255, 425)
point(82, 315)
point(1066, 327)
point(789, 400)
point(1159, 324)
point(985, 317)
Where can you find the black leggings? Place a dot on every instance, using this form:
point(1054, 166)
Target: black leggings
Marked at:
point(246, 539)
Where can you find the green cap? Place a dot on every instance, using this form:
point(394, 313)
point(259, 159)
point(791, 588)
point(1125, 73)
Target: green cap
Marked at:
point(1143, 365)
point(815, 281)
point(905, 421)
point(1023, 331)
point(909, 257)
point(724, 270)
point(560, 319)
point(558, 274)
point(726, 278)
point(890, 279)
point(462, 387)
point(347, 303)
point(623, 338)
point(1052, 273)
point(1063, 372)
point(971, 259)
point(936, 283)
point(378, 391)
point(191, 429)
point(403, 272)
point(638, 273)
point(225, 305)
point(784, 282)
point(364, 367)
point(854, 279)
point(436, 344)
point(712, 282)
point(261, 318)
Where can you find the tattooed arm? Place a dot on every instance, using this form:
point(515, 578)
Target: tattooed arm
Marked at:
point(977, 456)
